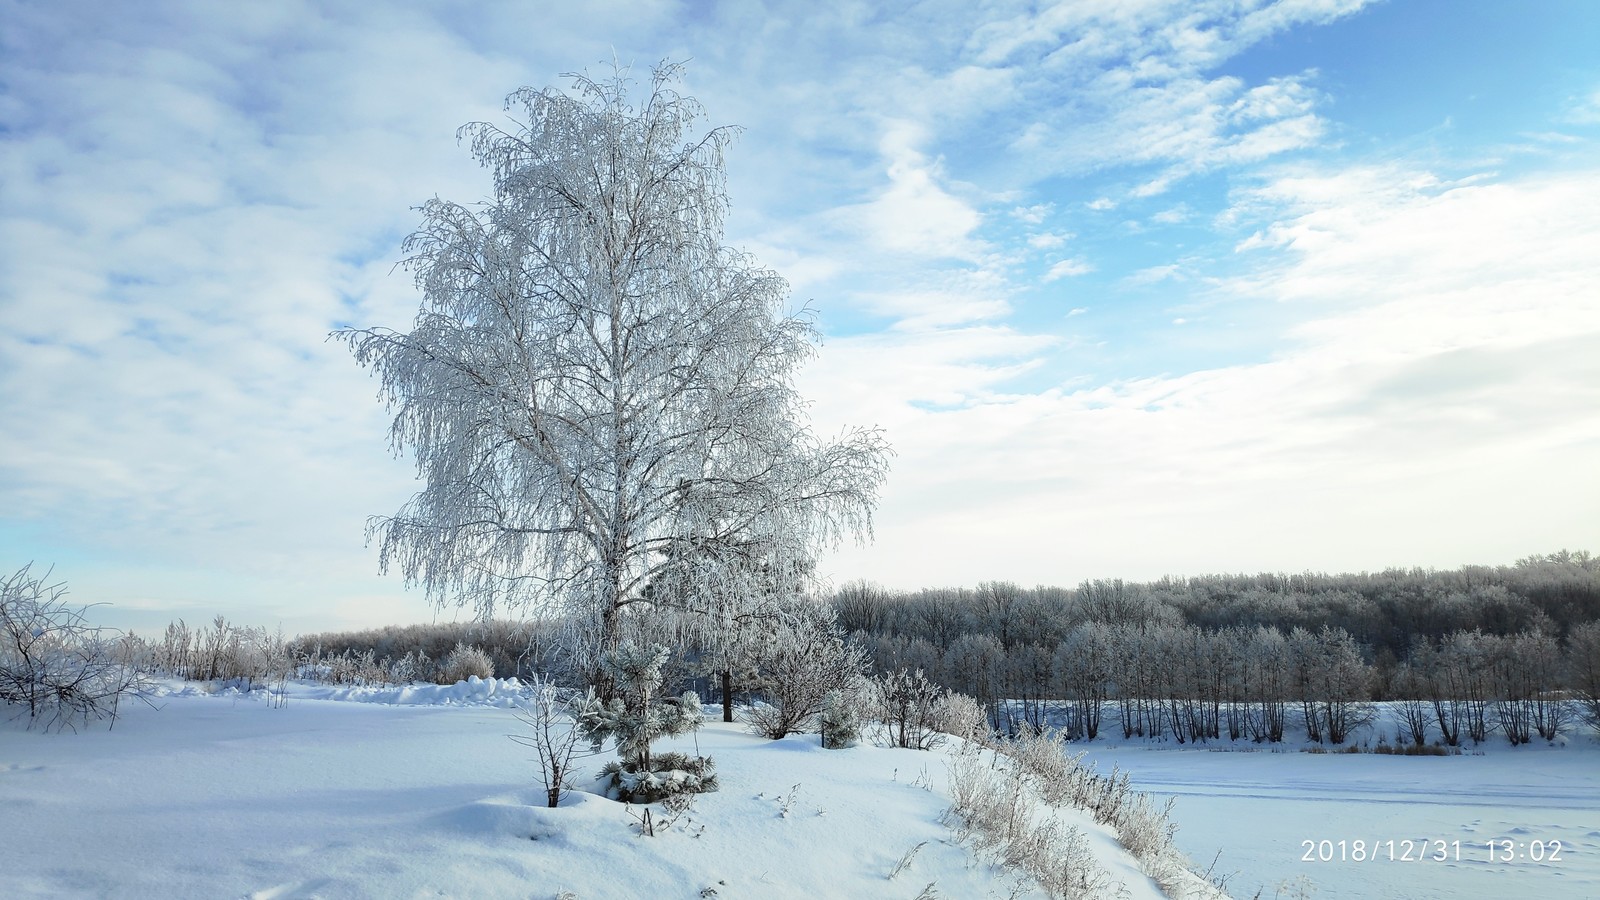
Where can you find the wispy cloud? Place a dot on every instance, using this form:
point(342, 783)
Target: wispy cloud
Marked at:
point(1138, 85)
point(1047, 240)
point(1067, 268)
point(1585, 109)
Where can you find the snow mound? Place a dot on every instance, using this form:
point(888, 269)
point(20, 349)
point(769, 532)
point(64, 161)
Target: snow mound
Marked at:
point(527, 815)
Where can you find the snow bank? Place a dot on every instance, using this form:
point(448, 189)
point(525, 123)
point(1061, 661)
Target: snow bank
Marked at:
point(503, 693)
point(497, 692)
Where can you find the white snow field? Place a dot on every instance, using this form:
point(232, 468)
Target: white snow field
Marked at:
point(417, 792)
point(421, 794)
point(1259, 808)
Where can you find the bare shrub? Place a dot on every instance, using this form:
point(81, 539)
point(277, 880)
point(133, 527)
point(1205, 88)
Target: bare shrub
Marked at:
point(414, 666)
point(463, 663)
point(245, 657)
point(343, 668)
point(553, 735)
point(905, 860)
point(56, 667)
point(1143, 826)
point(1060, 778)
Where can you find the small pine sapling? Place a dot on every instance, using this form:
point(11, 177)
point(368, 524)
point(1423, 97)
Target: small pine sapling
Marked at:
point(634, 720)
point(839, 721)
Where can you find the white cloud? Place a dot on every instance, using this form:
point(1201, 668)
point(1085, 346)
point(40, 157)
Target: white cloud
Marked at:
point(1047, 240)
point(1281, 98)
point(1154, 274)
point(914, 214)
point(947, 367)
point(1139, 86)
point(1033, 215)
point(1067, 268)
point(1174, 215)
point(959, 302)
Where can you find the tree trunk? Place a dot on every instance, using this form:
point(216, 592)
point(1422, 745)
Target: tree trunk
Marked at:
point(727, 695)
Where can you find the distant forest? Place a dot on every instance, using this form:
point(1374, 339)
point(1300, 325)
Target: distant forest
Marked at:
point(1207, 656)
point(1513, 650)
point(1385, 612)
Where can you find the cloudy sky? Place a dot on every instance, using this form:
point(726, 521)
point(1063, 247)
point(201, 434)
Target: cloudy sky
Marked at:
point(1136, 287)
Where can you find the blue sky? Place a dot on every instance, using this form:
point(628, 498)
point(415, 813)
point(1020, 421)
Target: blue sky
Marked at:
point(1136, 288)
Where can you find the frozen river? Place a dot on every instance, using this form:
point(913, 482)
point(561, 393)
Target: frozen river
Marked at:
point(1288, 823)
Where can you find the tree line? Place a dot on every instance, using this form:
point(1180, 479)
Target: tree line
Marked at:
point(1511, 649)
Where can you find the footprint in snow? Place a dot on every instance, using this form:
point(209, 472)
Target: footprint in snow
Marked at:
point(8, 768)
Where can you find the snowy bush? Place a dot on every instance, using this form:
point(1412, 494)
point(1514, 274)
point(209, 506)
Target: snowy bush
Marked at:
point(463, 663)
point(414, 666)
point(963, 717)
point(802, 659)
point(908, 706)
point(634, 720)
point(243, 656)
point(667, 774)
point(55, 666)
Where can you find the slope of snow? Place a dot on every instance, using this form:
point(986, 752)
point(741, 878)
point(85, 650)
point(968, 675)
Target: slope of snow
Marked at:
point(420, 793)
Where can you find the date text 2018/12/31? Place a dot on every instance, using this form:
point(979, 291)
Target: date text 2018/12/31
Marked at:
point(1424, 850)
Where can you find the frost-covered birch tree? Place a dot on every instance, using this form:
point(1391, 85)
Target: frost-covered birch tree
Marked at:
point(597, 391)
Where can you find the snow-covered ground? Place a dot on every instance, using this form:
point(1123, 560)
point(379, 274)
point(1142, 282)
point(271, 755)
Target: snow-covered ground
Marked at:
point(1257, 808)
point(421, 794)
point(417, 791)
